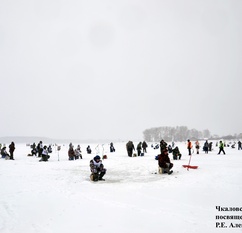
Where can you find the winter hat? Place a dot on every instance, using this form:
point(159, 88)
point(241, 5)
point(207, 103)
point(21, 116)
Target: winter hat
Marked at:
point(97, 157)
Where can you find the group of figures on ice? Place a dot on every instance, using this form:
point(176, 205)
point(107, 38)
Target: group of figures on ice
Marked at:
point(96, 166)
point(164, 163)
point(41, 151)
point(208, 146)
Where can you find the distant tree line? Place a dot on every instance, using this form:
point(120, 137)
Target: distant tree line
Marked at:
point(182, 133)
point(227, 137)
point(178, 133)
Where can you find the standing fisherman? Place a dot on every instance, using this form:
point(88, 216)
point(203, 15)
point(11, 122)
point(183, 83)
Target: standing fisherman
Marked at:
point(130, 147)
point(11, 150)
point(221, 148)
point(197, 146)
point(189, 146)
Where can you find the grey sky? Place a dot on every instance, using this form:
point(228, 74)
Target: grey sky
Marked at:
point(111, 69)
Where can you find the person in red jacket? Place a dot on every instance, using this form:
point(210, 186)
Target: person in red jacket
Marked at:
point(164, 163)
point(189, 147)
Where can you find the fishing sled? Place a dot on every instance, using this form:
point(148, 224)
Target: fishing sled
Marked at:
point(190, 166)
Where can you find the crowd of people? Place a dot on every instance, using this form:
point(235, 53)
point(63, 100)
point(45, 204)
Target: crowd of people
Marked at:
point(208, 146)
point(96, 166)
point(41, 151)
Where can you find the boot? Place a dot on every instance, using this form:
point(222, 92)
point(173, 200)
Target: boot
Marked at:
point(101, 177)
point(170, 172)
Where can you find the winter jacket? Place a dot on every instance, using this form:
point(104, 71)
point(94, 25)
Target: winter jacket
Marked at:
point(11, 147)
point(206, 144)
point(45, 152)
point(144, 145)
point(96, 167)
point(4, 152)
point(221, 145)
point(189, 145)
point(163, 145)
point(176, 151)
point(71, 153)
point(130, 146)
point(89, 151)
point(139, 146)
point(163, 159)
point(78, 152)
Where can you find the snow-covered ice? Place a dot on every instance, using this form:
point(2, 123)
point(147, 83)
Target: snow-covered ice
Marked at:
point(58, 197)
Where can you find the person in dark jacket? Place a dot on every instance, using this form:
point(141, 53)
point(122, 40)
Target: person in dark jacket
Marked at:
point(130, 148)
point(89, 150)
point(71, 153)
point(144, 146)
point(11, 150)
point(164, 163)
point(163, 145)
point(40, 148)
point(139, 148)
point(205, 147)
point(49, 149)
point(34, 150)
point(239, 145)
point(112, 149)
point(176, 153)
point(97, 169)
point(210, 145)
point(4, 153)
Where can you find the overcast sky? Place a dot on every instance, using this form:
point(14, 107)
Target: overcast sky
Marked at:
point(111, 69)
